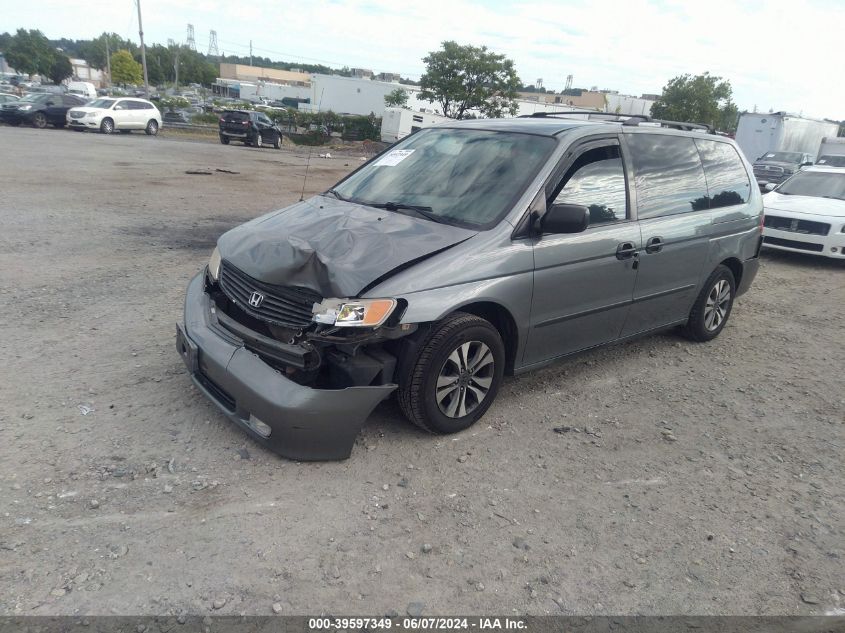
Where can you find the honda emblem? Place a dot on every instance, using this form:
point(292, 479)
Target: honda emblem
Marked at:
point(256, 299)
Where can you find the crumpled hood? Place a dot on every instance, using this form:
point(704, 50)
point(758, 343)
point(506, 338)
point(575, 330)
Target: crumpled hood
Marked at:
point(334, 247)
point(775, 201)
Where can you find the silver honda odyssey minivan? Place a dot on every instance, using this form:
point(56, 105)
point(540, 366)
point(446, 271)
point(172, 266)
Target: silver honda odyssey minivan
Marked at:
point(464, 253)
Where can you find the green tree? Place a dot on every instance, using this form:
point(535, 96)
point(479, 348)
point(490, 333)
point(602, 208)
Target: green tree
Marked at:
point(396, 98)
point(698, 99)
point(94, 51)
point(464, 78)
point(124, 68)
point(29, 52)
point(61, 68)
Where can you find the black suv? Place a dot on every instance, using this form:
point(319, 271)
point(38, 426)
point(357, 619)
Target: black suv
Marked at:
point(253, 128)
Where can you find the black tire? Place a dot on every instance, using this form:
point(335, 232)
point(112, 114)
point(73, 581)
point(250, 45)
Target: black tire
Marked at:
point(418, 382)
point(278, 142)
point(224, 139)
point(152, 128)
point(257, 142)
point(107, 126)
point(704, 324)
point(39, 120)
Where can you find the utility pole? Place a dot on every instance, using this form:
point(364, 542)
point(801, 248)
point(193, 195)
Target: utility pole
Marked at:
point(143, 52)
point(176, 68)
point(108, 59)
point(250, 52)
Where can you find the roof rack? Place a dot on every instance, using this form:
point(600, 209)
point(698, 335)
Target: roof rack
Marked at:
point(624, 119)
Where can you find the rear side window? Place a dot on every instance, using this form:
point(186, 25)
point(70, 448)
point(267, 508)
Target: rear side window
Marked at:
point(668, 175)
point(727, 180)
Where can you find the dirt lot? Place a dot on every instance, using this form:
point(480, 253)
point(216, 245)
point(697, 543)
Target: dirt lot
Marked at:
point(683, 478)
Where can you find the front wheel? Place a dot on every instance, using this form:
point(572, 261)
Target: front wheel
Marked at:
point(256, 142)
point(107, 126)
point(39, 120)
point(278, 142)
point(455, 377)
point(224, 139)
point(713, 306)
point(152, 127)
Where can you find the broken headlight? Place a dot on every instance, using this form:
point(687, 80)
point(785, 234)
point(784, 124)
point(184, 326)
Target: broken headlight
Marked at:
point(354, 313)
point(214, 264)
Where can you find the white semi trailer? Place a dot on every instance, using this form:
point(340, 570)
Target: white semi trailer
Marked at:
point(758, 133)
point(397, 123)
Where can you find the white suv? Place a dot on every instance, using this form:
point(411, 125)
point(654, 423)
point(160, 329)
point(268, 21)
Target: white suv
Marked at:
point(109, 114)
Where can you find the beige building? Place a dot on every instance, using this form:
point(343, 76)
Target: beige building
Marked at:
point(588, 99)
point(242, 72)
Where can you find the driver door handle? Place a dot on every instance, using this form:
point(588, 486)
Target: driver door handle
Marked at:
point(626, 250)
point(654, 245)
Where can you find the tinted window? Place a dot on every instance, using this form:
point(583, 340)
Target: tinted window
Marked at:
point(597, 181)
point(668, 175)
point(727, 180)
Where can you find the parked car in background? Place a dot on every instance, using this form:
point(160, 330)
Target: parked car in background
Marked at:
point(471, 250)
point(775, 167)
point(176, 116)
point(253, 128)
point(39, 109)
point(807, 213)
point(122, 114)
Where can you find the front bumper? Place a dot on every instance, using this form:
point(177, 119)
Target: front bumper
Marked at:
point(86, 123)
point(831, 245)
point(304, 423)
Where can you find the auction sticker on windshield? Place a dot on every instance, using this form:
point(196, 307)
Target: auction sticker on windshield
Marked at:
point(393, 158)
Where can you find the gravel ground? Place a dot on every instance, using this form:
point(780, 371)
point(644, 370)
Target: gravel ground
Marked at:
point(654, 477)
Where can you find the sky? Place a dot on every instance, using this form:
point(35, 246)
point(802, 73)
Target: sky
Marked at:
point(778, 55)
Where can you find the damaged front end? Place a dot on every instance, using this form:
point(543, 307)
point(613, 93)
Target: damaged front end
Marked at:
point(315, 342)
point(301, 387)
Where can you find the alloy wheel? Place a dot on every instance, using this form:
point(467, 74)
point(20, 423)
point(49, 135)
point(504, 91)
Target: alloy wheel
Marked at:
point(465, 379)
point(716, 306)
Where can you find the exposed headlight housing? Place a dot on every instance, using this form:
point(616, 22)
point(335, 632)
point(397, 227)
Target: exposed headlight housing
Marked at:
point(92, 114)
point(354, 312)
point(214, 264)
point(25, 107)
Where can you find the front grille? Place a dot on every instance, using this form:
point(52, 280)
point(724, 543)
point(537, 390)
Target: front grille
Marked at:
point(77, 115)
point(804, 246)
point(286, 306)
point(806, 227)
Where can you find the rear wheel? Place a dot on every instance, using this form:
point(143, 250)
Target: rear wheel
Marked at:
point(712, 307)
point(152, 127)
point(39, 120)
point(456, 376)
point(107, 126)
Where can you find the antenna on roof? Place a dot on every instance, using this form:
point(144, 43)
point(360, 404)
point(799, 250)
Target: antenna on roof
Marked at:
point(310, 149)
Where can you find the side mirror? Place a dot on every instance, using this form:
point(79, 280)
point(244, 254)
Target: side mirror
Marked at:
point(770, 186)
point(808, 163)
point(565, 218)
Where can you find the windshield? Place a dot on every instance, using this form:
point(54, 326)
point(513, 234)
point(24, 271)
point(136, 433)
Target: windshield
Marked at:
point(818, 184)
point(40, 97)
point(831, 161)
point(783, 157)
point(465, 177)
point(105, 104)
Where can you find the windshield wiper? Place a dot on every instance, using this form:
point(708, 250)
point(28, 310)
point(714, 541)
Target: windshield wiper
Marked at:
point(337, 195)
point(425, 212)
